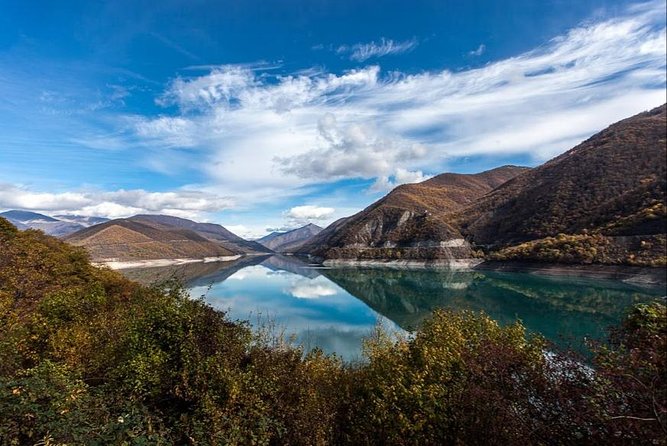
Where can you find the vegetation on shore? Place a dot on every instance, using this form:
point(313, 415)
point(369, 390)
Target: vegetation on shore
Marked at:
point(586, 249)
point(88, 357)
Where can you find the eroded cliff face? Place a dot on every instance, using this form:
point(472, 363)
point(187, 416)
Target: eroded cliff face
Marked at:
point(410, 223)
point(395, 234)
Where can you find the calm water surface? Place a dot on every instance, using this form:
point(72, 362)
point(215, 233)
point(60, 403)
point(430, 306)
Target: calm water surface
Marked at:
point(335, 308)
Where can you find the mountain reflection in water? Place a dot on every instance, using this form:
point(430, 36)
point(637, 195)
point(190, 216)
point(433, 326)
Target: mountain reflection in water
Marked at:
point(335, 308)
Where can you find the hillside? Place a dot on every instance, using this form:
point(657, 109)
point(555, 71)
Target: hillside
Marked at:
point(411, 221)
point(608, 193)
point(291, 240)
point(210, 231)
point(601, 202)
point(127, 239)
point(49, 225)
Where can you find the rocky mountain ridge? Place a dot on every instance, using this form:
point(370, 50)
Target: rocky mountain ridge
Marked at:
point(411, 221)
point(49, 225)
point(211, 231)
point(601, 202)
point(290, 241)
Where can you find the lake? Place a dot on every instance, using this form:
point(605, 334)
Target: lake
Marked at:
point(336, 308)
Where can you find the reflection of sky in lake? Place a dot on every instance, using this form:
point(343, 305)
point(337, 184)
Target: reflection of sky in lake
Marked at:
point(317, 311)
point(335, 308)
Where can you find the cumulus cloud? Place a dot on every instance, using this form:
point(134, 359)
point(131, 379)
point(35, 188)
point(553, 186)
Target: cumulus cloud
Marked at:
point(311, 289)
point(309, 212)
point(361, 52)
point(113, 204)
point(263, 134)
point(356, 150)
point(401, 176)
point(245, 232)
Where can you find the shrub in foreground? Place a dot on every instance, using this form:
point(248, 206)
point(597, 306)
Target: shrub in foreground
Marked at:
point(87, 357)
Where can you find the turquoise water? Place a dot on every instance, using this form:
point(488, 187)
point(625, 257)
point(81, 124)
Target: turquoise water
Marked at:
point(335, 308)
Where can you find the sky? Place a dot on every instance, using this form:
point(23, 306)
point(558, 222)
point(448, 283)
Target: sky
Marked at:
point(266, 115)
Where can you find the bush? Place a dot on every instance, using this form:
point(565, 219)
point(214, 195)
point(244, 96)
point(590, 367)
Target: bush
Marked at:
point(587, 249)
point(87, 357)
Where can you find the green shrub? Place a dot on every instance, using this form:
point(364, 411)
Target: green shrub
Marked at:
point(87, 357)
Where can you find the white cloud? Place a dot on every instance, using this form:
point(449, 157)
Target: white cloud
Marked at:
point(401, 176)
point(311, 289)
point(357, 150)
point(246, 232)
point(361, 52)
point(263, 135)
point(220, 85)
point(113, 204)
point(167, 131)
point(309, 212)
point(479, 51)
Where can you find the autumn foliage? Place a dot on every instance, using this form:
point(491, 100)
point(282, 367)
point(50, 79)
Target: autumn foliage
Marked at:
point(88, 357)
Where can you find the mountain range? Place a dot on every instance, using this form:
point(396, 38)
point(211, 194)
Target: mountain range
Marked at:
point(58, 226)
point(126, 240)
point(290, 241)
point(607, 184)
point(210, 231)
point(148, 237)
point(601, 202)
point(411, 219)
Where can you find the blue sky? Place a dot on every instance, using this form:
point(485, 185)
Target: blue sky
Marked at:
point(269, 114)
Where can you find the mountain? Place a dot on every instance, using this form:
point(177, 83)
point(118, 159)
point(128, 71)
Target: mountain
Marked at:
point(26, 216)
point(603, 201)
point(607, 183)
point(291, 240)
point(33, 220)
point(85, 221)
point(128, 239)
point(210, 231)
point(411, 221)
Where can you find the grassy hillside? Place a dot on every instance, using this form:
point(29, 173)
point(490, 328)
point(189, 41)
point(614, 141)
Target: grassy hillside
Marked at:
point(126, 240)
point(88, 357)
point(614, 184)
point(210, 231)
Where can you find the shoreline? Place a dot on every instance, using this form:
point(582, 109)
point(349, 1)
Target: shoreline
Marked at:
point(153, 263)
point(632, 275)
point(454, 264)
point(644, 276)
